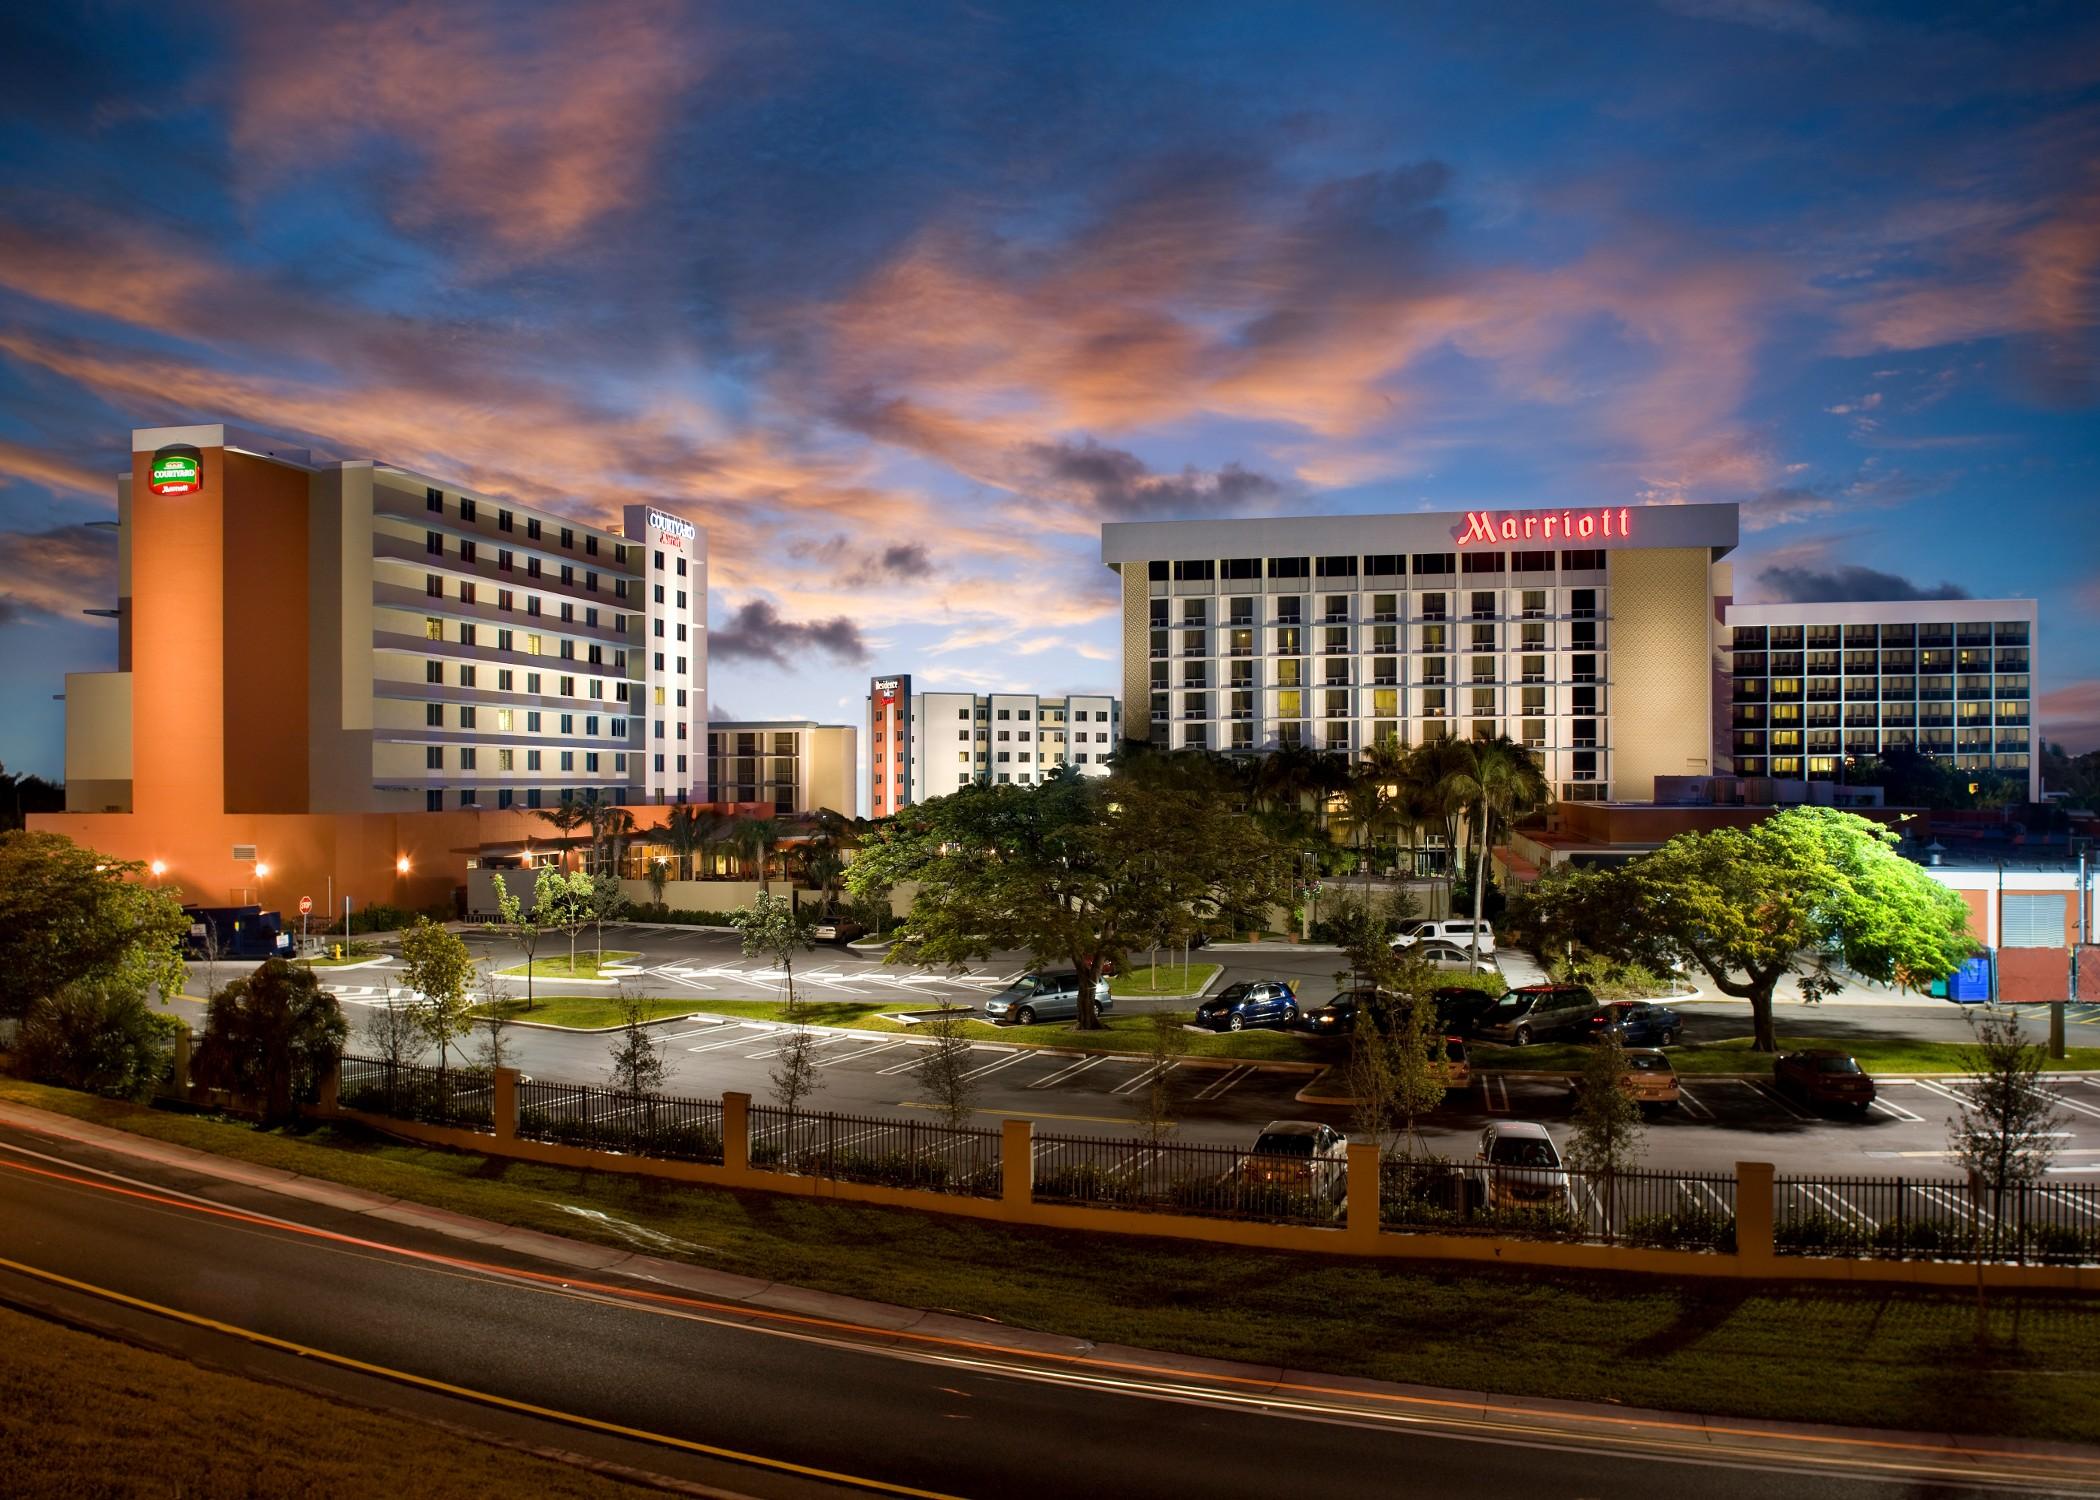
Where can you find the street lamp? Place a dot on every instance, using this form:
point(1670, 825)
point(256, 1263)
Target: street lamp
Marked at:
point(401, 865)
point(159, 867)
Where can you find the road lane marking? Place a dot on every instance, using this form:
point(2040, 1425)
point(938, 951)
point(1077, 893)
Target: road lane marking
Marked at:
point(1070, 1072)
point(1131, 1377)
point(1018, 1055)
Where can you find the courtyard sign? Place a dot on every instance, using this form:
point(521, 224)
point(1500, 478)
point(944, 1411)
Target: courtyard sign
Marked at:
point(672, 526)
point(177, 469)
point(1543, 526)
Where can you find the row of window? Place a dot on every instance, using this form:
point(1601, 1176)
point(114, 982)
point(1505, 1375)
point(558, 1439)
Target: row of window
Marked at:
point(1335, 703)
point(507, 601)
point(1290, 671)
point(469, 510)
point(507, 562)
point(1943, 633)
point(508, 720)
point(1373, 565)
point(434, 797)
point(468, 758)
point(1290, 609)
point(1584, 765)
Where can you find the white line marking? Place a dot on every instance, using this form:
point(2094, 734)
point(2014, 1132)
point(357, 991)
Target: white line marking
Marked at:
point(992, 1067)
point(1771, 1096)
point(1145, 1076)
point(1070, 1072)
point(845, 1057)
point(1233, 1077)
point(1687, 1097)
point(1897, 1111)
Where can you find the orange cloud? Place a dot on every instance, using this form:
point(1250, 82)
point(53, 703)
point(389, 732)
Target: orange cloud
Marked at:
point(2070, 716)
point(56, 472)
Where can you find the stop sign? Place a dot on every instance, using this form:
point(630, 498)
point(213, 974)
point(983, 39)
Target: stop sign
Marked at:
point(306, 904)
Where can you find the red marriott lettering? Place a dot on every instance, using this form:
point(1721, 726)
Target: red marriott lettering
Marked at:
point(1544, 526)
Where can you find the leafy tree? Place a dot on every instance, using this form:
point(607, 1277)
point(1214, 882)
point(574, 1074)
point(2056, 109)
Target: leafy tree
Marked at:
point(272, 1035)
point(774, 929)
point(1499, 780)
point(1166, 1043)
point(1794, 894)
point(1609, 1133)
point(566, 816)
point(683, 832)
point(943, 1068)
point(657, 879)
point(97, 1035)
point(1074, 869)
point(795, 1075)
point(2004, 1135)
point(1575, 913)
point(22, 794)
point(395, 1033)
point(608, 903)
point(68, 914)
point(638, 1065)
point(436, 965)
point(567, 902)
point(755, 839)
point(1396, 1064)
point(525, 924)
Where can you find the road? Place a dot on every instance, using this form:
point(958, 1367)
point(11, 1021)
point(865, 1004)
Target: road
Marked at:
point(752, 1398)
point(1720, 1122)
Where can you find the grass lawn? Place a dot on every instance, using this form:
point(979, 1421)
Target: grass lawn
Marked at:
point(1162, 979)
point(559, 967)
point(584, 1012)
point(1124, 1033)
point(357, 953)
point(85, 1415)
point(1887, 1055)
point(1879, 1356)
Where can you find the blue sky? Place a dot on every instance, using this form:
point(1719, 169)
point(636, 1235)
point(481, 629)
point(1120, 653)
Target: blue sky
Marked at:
point(904, 301)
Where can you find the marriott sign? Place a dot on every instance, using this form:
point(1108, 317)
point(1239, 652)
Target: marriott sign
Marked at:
point(1543, 526)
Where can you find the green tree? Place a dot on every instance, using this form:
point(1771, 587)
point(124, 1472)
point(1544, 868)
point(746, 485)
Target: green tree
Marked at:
point(1498, 780)
point(1609, 1133)
point(69, 914)
point(658, 876)
point(1803, 890)
point(638, 1066)
point(436, 965)
point(97, 1035)
point(567, 902)
point(772, 928)
point(273, 1035)
point(566, 816)
point(1166, 1043)
point(524, 924)
point(683, 832)
point(943, 1068)
point(608, 903)
point(756, 839)
point(1076, 870)
point(2004, 1135)
point(1396, 1061)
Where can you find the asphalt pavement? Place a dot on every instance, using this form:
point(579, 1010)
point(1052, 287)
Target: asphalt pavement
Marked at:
point(763, 1390)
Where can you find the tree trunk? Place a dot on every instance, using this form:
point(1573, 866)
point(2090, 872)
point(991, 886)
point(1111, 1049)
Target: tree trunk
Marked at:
point(1089, 1013)
point(1480, 879)
point(1765, 1036)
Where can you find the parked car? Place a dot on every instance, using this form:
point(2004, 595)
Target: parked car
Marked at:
point(1042, 996)
point(1442, 955)
point(1262, 1002)
point(1459, 1007)
point(1650, 1079)
point(1457, 932)
point(1824, 1078)
point(836, 930)
point(1301, 1155)
point(1638, 1023)
point(1518, 1166)
point(1538, 1013)
point(1339, 1017)
point(235, 932)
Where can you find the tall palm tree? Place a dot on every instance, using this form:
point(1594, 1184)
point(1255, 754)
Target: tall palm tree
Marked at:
point(1502, 780)
point(824, 854)
point(611, 827)
point(756, 839)
point(682, 833)
point(567, 815)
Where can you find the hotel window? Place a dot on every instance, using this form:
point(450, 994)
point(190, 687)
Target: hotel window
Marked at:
point(659, 629)
point(1290, 704)
point(1435, 606)
point(533, 646)
point(568, 575)
point(503, 520)
point(466, 593)
point(590, 761)
point(532, 684)
point(504, 679)
point(466, 718)
point(506, 760)
point(505, 558)
point(1337, 567)
point(532, 529)
point(532, 605)
point(434, 585)
point(1201, 571)
point(659, 568)
point(1385, 565)
point(590, 546)
point(681, 574)
point(466, 635)
point(659, 759)
point(1590, 559)
point(532, 567)
point(532, 760)
point(433, 671)
point(466, 551)
point(1289, 673)
point(434, 543)
point(1440, 564)
point(659, 697)
point(505, 599)
point(568, 537)
point(1240, 568)
point(590, 583)
point(466, 508)
point(568, 760)
point(1485, 562)
point(568, 687)
point(434, 500)
point(1290, 567)
point(434, 715)
point(467, 758)
point(1385, 703)
point(503, 720)
point(433, 628)
point(433, 758)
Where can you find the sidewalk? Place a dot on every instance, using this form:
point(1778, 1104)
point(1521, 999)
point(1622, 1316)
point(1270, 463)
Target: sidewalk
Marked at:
point(1795, 1449)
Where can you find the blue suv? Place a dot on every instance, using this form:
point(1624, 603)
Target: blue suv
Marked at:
point(1265, 1002)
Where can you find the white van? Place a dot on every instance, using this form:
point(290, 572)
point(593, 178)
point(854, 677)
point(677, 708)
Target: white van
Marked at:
point(1455, 931)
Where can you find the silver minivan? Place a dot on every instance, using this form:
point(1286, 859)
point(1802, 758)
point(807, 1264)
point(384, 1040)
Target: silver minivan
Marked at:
point(1038, 996)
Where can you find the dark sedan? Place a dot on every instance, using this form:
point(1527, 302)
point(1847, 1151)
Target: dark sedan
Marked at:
point(1459, 1007)
point(1264, 1002)
point(1824, 1078)
point(1638, 1024)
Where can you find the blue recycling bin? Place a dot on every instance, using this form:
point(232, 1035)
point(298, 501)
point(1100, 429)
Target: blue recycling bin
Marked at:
point(1971, 983)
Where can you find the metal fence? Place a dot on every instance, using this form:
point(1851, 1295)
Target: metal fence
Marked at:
point(599, 1119)
point(889, 1153)
point(463, 1097)
point(1655, 1210)
point(1214, 1181)
point(1937, 1218)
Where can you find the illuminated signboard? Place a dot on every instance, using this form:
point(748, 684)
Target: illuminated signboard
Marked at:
point(672, 528)
point(1544, 526)
point(886, 689)
point(177, 469)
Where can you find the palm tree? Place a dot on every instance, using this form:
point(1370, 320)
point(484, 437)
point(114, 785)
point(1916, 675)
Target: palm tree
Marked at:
point(567, 815)
point(824, 853)
point(755, 839)
point(682, 831)
point(1502, 780)
point(611, 827)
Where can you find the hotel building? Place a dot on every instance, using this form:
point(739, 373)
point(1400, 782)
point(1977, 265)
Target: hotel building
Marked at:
point(923, 745)
point(1585, 635)
point(305, 639)
point(1819, 686)
point(795, 766)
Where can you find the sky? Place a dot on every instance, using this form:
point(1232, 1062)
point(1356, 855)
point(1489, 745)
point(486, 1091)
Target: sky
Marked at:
point(903, 301)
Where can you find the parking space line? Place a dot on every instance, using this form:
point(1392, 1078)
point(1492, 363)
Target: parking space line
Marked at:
point(817, 1039)
point(1686, 1096)
point(1896, 1111)
point(734, 1041)
point(832, 1062)
point(1942, 1092)
point(679, 1036)
point(1770, 1096)
point(1232, 1077)
point(1930, 1193)
point(1488, 1083)
point(1693, 1187)
point(1144, 1078)
point(2084, 1109)
point(1831, 1199)
point(895, 1068)
point(1017, 1055)
point(1070, 1072)
point(2072, 1201)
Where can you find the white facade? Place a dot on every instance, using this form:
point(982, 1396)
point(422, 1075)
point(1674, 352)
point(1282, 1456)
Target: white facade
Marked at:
point(673, 655)
point(946, 741)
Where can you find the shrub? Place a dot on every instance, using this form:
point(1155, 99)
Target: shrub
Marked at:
point(97, 1036)
point(1687, 1229)
point(1921, 1236)
point(1555, 1221)
point(272, 1035)
point(1815, 1230)
point(1086, 1183)
point(648, 911)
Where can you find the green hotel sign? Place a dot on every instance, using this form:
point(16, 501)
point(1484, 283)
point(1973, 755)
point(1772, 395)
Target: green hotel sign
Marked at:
point(176, 470)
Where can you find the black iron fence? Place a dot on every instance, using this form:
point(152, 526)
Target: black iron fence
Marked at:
point(600, 1119)
point(1655, 1210)
point(1214, 1181)
point(463, 1097)
point(1937, 1218)
point(888, 1153)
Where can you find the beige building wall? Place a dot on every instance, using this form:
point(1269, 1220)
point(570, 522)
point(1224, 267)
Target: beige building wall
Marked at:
point(1660, 665)
point(98, 742)
point(1137, 654)
point(833, 760)
point(339, 649)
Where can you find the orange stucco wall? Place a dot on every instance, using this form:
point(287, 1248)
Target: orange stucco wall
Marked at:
point(178, 633)
point(264, 674)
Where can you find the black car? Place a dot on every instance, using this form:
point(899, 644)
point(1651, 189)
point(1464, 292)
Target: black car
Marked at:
point(1459, 1007)
point(1638, 1024)
point(1824, 1078)
point(1264, 1002)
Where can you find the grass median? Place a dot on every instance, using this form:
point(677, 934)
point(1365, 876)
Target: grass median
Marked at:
point(1122, 1033)
point(579, 1012)
point(82, 1415)
point(1900, 1357)
point(1162, 979)
point(586, 965)
point(1887, 1055)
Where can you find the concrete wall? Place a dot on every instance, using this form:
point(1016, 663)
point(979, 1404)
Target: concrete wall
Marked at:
point(1659, 658)
point(98, 741)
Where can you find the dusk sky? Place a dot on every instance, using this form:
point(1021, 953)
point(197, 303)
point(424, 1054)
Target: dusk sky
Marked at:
point(904, 301)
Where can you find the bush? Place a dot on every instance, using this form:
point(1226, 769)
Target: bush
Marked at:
point(656, 911)
point(380, 917)
point(1612, 979)
point(99, 1037)
point(1815, 1231)
point(272, 1036)
point(1687, 1229)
